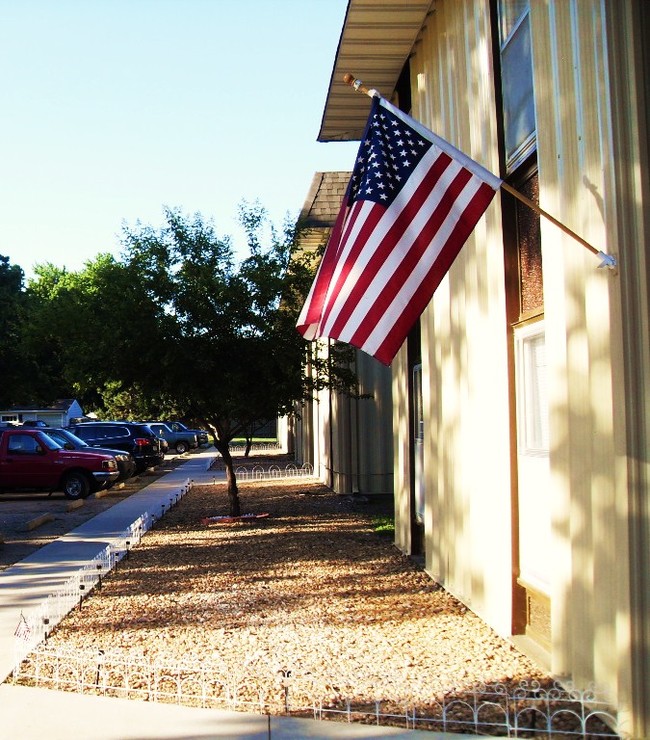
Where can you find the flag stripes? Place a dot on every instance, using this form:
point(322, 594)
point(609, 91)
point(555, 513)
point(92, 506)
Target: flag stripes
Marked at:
point(384, 261)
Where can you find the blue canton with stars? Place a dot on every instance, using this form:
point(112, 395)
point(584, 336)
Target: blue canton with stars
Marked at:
point(388, 154)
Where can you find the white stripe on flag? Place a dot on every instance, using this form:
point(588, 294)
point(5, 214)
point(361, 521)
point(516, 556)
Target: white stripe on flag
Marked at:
point(414, 281)
point(402, 246)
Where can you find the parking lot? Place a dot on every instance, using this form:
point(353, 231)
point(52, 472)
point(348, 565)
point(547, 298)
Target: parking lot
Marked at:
point(30, 520)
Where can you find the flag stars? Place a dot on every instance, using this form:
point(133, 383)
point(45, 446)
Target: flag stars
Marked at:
point(390, 151)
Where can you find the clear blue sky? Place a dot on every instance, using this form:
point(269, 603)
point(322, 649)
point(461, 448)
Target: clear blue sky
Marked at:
point(112, 109)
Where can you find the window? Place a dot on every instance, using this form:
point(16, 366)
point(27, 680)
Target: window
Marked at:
point(532, 390)
point(23, 444)
point(518, 126)
point(516, 81)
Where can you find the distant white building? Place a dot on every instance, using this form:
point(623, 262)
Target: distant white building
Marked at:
point(59, 414)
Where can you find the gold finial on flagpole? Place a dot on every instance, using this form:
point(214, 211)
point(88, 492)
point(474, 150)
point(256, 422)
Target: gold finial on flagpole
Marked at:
point(358, 85)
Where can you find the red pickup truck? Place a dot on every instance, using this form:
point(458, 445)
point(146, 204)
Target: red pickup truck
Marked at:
point(30, 460)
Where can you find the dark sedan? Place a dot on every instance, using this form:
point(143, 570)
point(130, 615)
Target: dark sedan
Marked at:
point(127, 436)
point(69, 441)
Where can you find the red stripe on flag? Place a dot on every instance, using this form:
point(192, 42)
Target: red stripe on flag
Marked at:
point(383, 250)
point(410, 258)
point(405, 321)
point(327, 265)
point(375, 213)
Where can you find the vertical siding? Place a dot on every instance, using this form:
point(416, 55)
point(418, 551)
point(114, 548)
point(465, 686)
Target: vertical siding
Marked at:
point(573, 118)
point(401, 452)
point(467, 447)
point(349, 440)
point(629, 64)
point(375, 470)
point(464, 342)
point(590, 58)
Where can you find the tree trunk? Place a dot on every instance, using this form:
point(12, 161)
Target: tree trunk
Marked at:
point(233, 491)
point(249, 444)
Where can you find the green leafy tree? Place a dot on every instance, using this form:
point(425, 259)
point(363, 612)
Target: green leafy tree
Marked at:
point(179, 328)
point(96, 334)
point(14, 366)
point(227, 349)
point(30, 369)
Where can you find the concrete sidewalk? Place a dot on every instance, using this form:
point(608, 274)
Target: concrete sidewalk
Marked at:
point(27, 584)
point(28, 713)
point(35, 714)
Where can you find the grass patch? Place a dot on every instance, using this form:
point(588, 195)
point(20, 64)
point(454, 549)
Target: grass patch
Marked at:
point(259, 440)
point(384, 525)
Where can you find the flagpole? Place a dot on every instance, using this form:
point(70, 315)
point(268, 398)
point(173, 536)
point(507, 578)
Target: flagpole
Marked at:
point(608, 260)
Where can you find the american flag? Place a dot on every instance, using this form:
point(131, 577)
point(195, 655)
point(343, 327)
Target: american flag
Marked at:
point(412, 201)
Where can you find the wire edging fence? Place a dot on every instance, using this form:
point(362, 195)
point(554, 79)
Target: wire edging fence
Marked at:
point(259, 472)
point(34, 626)
point(528, 709)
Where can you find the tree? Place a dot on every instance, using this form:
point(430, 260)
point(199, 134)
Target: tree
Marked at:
point(89, 332)
point(228, 352)
point(12, 312)
point(179, 328)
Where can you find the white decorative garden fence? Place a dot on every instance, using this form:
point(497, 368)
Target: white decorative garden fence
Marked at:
point(525, 710)
point(35, 625)
point(260, 472)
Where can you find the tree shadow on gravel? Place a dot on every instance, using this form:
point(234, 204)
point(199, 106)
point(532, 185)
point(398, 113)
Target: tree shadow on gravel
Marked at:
point(312, 588)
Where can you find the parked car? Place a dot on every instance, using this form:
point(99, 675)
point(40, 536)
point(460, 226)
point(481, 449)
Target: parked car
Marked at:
point(39, 423)
point(69, 441)
point(201, 434)
point(30, 460)
point(181, 440)
point(130, 436)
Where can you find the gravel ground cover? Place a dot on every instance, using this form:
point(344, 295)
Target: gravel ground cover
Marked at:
point(312, 589)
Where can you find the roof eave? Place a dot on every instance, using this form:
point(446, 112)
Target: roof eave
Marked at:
point(375, 43)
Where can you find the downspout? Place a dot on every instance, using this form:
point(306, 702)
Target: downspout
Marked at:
point(330, 417)
point(357, 431)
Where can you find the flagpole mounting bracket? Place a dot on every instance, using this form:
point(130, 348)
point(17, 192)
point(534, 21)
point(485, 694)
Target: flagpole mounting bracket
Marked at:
point(607, 260)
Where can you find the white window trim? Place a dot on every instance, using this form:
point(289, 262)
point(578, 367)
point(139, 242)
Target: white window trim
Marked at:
point(532, 427)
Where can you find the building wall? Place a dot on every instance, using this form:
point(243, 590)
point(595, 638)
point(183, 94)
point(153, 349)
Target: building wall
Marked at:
point(57, 415)
point(574, 145)
point(348, 439)
point(402, 453)
point(464, 357)
point(592, 177)
point(629, 65)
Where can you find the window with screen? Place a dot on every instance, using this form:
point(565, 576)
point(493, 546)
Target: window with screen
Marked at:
point(516, 81)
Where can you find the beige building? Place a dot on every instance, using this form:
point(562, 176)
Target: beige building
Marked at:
point(348, 439)
point(521, 401)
